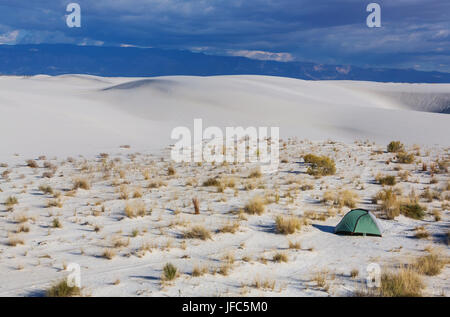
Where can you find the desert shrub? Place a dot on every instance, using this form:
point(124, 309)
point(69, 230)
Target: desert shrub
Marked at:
point(170, 171)
point(196, 204)
point(255, 206)
point(429, 264)
point(386, 180)
point(62, 289)
point(287, 225)
point(404, 283)
point(395, 146)
point(46, 189)
point(354, 273)
point(320, 165)
point(11, 201)
point(280, 257)
point(81, 183)
point(342, 198)
point(389, 203)
point(109, 254)
point(405, 158)
point(421, 232)
point(230, 228)
point(32, 164)
point(256, 173)
point(169, 272)
point(135, 209)
point(199, 271)
point(198, 232)
point(15, 240)
point(56, 223)
point(412, 210)
point(211, 182)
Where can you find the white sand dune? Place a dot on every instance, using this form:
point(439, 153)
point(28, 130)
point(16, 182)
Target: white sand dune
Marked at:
point(79, 114)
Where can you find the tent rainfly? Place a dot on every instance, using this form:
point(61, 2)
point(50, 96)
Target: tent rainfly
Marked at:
point(359, 222)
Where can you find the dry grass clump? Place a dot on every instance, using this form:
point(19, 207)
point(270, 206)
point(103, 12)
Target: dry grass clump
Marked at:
point(56, 223)
point(404, 283)
point(430, 264)
point(280, 257)
point(342, 198)
point(196, 204)
point(11, 201)
point(170, 272)
point(230, 228)
point(255, 206)
point(213, 181)
point(62, 289)
point(135, 209)
point(198, 232)
point(199, 271)
point(386, 180)
point(395, 146)
point(295, 245)
point(256, 173)
point(109, 253)
point(171, 171)
point(266, 284)
point(412, 210)
point(321, 279)
point(320, 165)
point(405, 158)
point(14, 240)
point(54, 203)
point(46, 189)
point(32, 164)
point(287, 225)
point(81, 183)
point(421, 232)
point(354, 273)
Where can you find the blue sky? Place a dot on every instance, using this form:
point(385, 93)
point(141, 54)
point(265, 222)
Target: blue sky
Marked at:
point(414, 33)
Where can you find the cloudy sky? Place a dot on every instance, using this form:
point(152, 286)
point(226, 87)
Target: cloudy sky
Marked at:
point(414, 33)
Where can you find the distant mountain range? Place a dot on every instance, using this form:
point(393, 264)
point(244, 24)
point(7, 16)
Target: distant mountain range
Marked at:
point(145, 62)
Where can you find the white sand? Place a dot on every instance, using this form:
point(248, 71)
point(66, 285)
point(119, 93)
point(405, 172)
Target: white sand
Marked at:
point(83, 115)
point(71, 115)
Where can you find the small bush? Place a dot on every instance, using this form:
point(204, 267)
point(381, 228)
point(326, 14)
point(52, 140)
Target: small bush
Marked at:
point(11, 201)
point(280, 257)
point(395, 146)
point(256, 173)
point(211, 182)
point(56, 223)
point(287, 225)
point(412, 210)
point(255, 206)
point(405, 158)
point(169, 272)
point(196, 204)
point(170, 171)
point(62, 289)
point(429, 265)
point(81, 183)
point(354, 273)
point(320, 165)
point(386, 180)
point(421, 233)
point(135, 209)
point(109, 254)
point(46, 189)
point(198, 232)
point(405, 283)
point(32, 164)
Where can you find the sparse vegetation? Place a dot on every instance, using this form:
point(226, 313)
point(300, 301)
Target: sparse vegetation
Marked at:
point(62, 289)
point(287, 225)
point(170, 272)
point(320, 165)
point(198, 232)
point(395, 146)
point(255, 206)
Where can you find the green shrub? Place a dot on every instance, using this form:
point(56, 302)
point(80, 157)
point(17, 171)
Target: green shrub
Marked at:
point(386, 180)
point(405, 158)
point(169, 272)
point(320, 165)
point(395, 146)
point(412, 210)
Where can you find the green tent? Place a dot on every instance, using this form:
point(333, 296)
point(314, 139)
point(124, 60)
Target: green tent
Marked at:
point(359, 222)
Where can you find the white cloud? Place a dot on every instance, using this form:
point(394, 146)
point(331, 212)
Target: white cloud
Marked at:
point(263, 55)
point(10, 37)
